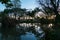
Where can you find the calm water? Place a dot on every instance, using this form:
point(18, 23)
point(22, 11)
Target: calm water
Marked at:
point(28, 35)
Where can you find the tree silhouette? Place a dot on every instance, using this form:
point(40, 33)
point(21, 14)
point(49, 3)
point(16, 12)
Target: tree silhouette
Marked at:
point(16, 6)
point(50, 6)
point(5, 31)
point(6, 2)
point(32, 13)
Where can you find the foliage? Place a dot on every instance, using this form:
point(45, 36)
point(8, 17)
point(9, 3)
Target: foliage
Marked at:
point(51, 7)
point(32, 13)
point(6, 2)
point(16, 4)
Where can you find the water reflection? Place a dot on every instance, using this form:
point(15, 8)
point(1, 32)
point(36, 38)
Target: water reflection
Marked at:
point(26, 31)
point(28, 36)
point(37, 33)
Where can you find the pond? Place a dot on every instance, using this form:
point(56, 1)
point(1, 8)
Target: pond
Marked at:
point(28, 35)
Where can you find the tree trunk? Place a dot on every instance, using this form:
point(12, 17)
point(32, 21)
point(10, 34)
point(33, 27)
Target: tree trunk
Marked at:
point(57, 19)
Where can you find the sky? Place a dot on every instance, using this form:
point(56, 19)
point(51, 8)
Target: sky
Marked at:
point(28, 4)
point(2, 7)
